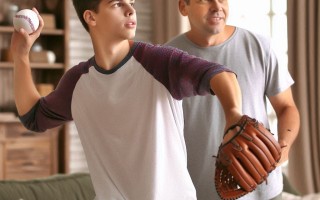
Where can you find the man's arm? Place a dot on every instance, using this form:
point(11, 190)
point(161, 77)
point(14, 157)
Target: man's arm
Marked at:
point(225, 85)
point(288, 121)
point(25, 92)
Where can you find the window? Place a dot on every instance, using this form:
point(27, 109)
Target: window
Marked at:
point(266, 17)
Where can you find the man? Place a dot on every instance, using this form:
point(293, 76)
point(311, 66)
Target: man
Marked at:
point(126, 104)
point(260, 77)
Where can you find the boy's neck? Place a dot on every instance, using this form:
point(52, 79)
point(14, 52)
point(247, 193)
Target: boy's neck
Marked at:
point(107, 57)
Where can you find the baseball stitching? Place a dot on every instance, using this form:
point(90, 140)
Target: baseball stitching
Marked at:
point(28, 20)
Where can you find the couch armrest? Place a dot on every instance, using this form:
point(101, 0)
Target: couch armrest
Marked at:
point(287, 187)
point(77, 186)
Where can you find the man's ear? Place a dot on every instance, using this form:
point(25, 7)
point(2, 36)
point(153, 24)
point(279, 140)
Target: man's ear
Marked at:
point(182, 8)
point(89, 17)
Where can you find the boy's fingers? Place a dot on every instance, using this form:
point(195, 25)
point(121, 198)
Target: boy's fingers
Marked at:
point(39, 17)
point(23, 33)
point(35, 10)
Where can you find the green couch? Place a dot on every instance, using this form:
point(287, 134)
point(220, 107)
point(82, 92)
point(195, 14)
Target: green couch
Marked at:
point(77, 186)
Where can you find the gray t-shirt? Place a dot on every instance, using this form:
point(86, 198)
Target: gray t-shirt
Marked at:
point(259, 75)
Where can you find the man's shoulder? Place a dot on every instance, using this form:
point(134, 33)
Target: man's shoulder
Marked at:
point(176, 40)
point(251, 39)
point(253, 34)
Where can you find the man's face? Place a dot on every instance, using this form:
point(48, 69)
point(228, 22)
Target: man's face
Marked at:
point(116, 18)
point(206, 16)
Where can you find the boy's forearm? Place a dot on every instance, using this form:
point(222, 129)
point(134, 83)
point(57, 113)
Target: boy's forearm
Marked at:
point(227, 89)
point(25, 92)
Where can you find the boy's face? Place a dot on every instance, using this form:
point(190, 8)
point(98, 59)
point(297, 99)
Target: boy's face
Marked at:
point(206, 16)
point(116, 18)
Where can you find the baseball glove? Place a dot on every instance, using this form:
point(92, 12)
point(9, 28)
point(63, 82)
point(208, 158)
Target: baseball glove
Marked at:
point(246, 159)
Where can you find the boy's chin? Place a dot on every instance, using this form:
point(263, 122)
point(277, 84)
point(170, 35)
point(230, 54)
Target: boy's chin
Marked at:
point(132, 36)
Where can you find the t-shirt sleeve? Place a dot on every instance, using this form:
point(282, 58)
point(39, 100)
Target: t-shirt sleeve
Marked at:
point(55, 108)
point(278, 76)
point(184, 75)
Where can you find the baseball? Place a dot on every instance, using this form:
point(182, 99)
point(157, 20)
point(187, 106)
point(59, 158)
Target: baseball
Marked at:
point(26, 19)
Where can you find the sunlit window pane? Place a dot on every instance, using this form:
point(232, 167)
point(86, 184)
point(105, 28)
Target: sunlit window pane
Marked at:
point(258, 7)
point(249, 7)
point(254, 17)
point(266, 17)
point(279, 6)
point(279, 33)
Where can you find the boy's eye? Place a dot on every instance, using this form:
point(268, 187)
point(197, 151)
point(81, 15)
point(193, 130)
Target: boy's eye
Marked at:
point(119, 4)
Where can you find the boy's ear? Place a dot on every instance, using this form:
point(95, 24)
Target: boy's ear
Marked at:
point(182, 8)
point(89, 17)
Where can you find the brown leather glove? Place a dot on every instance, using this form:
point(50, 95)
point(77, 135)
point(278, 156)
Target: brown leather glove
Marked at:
point(246, 160)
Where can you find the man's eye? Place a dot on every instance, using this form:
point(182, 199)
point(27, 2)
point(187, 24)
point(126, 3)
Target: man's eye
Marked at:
point(132, 4)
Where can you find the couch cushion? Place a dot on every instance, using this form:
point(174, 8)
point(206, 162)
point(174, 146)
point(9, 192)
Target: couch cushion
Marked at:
point(77, 186)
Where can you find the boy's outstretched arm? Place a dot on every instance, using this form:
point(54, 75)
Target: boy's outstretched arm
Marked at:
point(25, 92)
point(226, 87)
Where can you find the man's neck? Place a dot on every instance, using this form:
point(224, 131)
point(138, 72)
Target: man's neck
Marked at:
point(211, 40)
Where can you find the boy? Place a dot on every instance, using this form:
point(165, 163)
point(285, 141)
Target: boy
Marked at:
point(125, 102)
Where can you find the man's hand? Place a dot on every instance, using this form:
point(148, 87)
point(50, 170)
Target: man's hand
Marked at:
point(285, 148)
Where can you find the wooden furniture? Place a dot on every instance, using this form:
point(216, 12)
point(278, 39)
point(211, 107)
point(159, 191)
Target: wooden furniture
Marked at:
point(23, 154)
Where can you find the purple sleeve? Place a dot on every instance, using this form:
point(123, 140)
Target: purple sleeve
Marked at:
point(55, 109)
point(182, 74)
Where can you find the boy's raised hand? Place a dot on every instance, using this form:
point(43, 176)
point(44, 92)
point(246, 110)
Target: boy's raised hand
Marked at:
point(21, 41)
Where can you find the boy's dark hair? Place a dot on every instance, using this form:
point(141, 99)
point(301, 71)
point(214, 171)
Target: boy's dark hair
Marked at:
point(83, 5)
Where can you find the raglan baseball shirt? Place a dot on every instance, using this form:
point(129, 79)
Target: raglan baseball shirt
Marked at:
point(130, 120)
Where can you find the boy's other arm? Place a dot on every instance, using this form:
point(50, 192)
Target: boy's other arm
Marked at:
point(25, 92)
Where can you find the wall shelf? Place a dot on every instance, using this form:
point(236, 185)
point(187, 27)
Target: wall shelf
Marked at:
point(9, 30)
point(23, 153)
point(9, 65)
